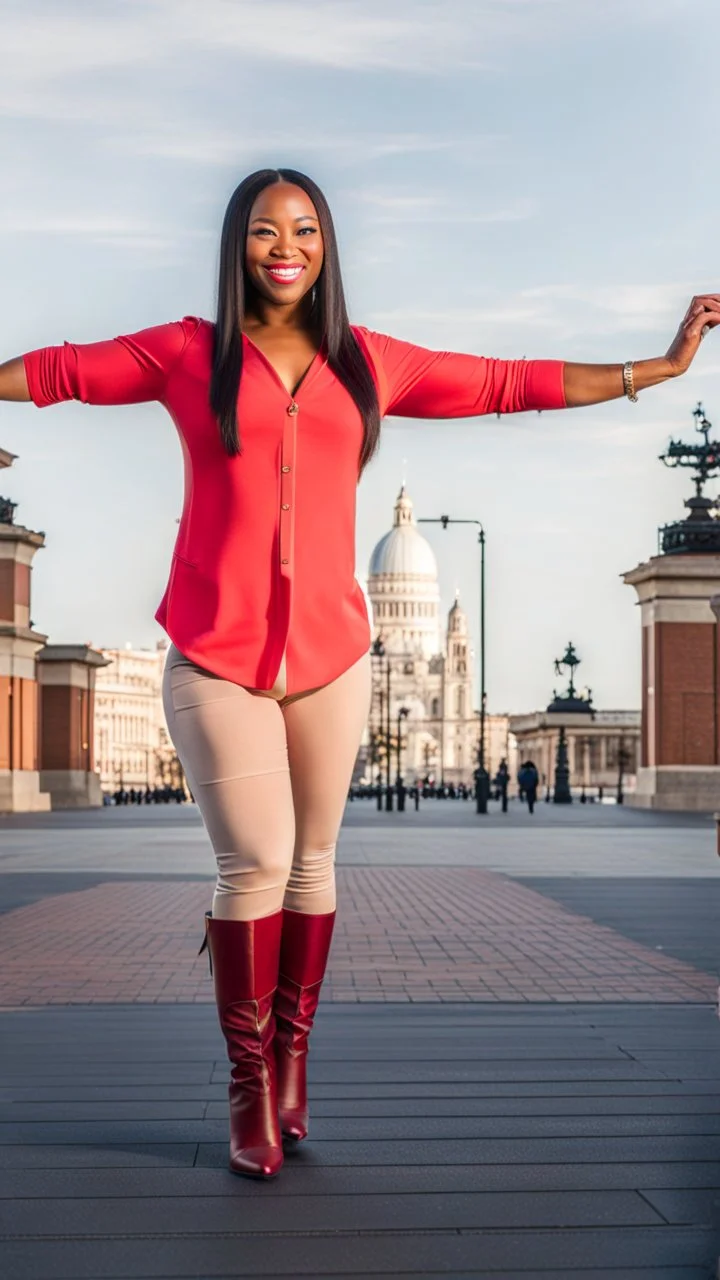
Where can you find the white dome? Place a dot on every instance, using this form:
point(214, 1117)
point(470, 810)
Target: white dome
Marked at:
point(403, 551)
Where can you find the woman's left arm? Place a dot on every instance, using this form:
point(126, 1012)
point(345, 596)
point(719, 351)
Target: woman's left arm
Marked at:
point(594, 383)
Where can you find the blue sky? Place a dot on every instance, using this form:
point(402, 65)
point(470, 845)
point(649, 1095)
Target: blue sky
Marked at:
point(507, 177)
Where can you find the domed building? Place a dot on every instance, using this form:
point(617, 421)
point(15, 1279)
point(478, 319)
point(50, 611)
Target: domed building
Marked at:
point(430, 661)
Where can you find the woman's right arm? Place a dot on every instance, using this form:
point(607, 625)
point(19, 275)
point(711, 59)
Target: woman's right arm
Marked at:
point(13, 380)
point(129, 369)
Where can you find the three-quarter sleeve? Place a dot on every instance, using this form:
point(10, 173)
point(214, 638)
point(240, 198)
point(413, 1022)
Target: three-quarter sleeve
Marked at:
point(419, 383)
point(129, 369)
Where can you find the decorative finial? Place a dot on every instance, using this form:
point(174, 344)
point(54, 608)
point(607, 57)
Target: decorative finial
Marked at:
point(700, 530)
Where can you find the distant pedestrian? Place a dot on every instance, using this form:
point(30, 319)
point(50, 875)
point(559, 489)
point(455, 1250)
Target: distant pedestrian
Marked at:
point(529, 778)
point(502, 781)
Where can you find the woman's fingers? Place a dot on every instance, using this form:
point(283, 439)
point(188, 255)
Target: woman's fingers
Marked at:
point(702, 301)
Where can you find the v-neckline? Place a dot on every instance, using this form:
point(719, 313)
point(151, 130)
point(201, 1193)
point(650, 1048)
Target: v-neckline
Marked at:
point(303, 381)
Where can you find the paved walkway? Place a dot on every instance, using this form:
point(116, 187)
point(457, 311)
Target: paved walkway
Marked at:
point(515, 1071)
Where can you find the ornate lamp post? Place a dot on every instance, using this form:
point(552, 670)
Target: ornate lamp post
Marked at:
point(569, 702)
point(700, 530)
point(377, 650)
point(388, 739)
point(482, 778)
point(623, 762)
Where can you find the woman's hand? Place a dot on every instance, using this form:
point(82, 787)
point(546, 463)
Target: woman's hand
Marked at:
point(702, 314)
point(595, 383)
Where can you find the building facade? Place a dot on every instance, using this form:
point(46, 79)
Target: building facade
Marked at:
point(680, 643)
point(426, 669)
point(603, 747)
point(133, 746)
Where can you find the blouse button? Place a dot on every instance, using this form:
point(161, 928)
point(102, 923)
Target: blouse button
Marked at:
point(284, 561)
point(292, 408)
point(284, 468)
point(286, 506)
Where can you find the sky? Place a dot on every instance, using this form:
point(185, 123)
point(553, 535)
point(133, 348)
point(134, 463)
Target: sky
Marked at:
point(508, 178)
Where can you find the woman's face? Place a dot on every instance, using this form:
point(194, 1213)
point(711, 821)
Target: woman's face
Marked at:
point(283, 232)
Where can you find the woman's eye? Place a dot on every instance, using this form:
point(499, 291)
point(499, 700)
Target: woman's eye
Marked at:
point(261, 230)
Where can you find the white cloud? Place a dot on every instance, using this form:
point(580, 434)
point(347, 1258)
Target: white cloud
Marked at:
point(631, 306)
point(390, 208)
point(462, 316)
point(64, 60)
point(97, 228)
point(205, 144)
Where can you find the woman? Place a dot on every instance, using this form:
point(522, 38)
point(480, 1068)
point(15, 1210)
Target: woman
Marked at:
point(267, 683)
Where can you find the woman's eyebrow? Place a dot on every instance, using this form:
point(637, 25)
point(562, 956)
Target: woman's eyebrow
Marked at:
point(302, 218)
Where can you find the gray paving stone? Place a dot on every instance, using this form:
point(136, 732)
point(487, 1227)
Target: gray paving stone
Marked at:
point(79, 1156)
point(657, 1273)
point(493, 1151)
point(42, 1112)
point(385, 1253)
point(522, 1096)
point(700, 1206)
point(574, 1134)
point(680, 916)
point(327, 1213)
point(306, 1178)
point(390, 1128)
point(411, 1073)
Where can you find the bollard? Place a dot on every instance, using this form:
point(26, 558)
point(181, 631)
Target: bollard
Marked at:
point(716, 816)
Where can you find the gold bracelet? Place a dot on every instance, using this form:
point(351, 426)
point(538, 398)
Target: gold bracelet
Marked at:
point(628, 383)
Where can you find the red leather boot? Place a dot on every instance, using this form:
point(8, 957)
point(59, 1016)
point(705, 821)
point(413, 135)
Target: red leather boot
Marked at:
point(244, 957)
point(303, 957)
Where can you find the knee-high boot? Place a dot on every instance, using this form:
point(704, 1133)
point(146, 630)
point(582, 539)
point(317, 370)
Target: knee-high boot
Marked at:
point(303, 958)
point(244, 956)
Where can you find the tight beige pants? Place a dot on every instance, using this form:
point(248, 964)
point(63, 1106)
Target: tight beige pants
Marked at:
point(270, 776)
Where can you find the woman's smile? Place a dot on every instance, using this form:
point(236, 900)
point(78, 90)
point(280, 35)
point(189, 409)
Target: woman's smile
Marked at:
point(284, 275)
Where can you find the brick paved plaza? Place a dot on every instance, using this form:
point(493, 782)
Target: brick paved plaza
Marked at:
point(515, 1070)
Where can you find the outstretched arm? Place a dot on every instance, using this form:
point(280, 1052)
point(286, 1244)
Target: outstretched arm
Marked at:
point(594, 383)
point(13, 380)
point(415, 382)
point(129, 369)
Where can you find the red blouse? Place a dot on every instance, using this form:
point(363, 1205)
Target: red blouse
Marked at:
point(264, 563)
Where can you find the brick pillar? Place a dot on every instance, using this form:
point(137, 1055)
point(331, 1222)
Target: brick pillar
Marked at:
point(19, 644)
point(67, 752)
point(680, 738)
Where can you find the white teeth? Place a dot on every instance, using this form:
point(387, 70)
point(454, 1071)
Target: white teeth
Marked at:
point(284, 271)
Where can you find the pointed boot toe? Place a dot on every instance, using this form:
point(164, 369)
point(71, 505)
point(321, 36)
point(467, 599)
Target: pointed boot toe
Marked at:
point(257, 1162)
point(294, 1125)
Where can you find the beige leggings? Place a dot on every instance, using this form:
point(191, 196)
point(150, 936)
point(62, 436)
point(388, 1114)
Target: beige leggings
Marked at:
point(270, 776)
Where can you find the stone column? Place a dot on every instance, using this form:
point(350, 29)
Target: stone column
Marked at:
point(19, 643)
point(679, 765)
point(67, 755)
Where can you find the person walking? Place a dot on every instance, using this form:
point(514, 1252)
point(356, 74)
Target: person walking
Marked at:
point(278, 404)
point(529, 779)
point(502, 781)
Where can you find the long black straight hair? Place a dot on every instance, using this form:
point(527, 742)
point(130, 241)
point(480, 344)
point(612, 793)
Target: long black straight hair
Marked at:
point(345, 356)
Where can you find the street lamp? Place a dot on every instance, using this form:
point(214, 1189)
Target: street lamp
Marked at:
point(623, 761)
point(482, 778)
point(377, 650)
point(403, 713)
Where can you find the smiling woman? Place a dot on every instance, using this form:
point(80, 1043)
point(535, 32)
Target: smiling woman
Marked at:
point(278, 404)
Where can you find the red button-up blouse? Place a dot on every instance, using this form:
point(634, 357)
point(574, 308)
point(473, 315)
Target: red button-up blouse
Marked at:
point(264, 563)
